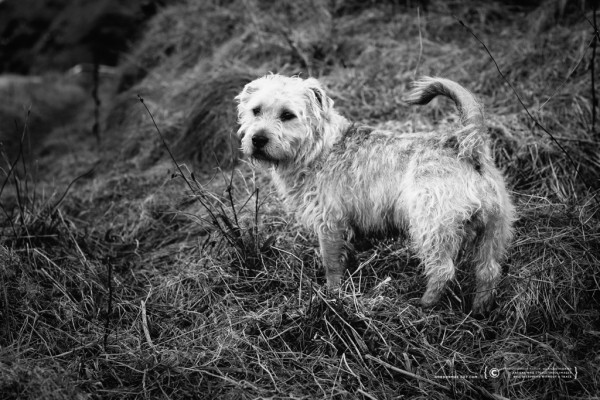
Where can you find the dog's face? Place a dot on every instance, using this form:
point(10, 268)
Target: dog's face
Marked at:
point(281, 119)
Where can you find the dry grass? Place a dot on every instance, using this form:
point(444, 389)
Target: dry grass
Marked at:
point(149, 280)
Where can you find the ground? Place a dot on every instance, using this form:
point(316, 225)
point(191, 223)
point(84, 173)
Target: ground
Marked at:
point(150, 261)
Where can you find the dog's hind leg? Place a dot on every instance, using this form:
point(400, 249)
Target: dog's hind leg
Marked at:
point(435, 229)
point(488, 252)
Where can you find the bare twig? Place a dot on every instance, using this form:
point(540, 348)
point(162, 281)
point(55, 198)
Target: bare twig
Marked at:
point(11, 171)
point(562, 85)
point(535, 120)
point(406, 373)
point(199, 196)
point(20, 156)
point(296, 50)
point(109, 305)
point(420, 43)
point(592, 70)
point(58, 203)
point(145, 323)
point(95, 97)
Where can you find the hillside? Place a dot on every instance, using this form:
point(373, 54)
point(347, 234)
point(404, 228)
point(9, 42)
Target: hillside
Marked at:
point(152, 261)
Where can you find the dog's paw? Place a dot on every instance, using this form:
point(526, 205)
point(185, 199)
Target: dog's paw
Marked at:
point(482, 306)
point(430, 298)
point(334, 281)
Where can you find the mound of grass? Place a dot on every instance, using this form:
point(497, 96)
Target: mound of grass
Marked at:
point(209, 138)
point(150, 278)
point(179, 37)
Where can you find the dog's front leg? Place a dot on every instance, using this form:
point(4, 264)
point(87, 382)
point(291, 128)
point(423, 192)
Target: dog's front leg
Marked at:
point(332, 252)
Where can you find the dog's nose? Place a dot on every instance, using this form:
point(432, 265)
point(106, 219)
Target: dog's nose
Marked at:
point(259, 141)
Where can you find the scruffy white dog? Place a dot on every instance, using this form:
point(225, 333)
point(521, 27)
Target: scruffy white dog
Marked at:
point(441, 187)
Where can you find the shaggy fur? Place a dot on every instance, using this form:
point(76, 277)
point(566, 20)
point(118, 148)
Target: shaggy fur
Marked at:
point(442, 188)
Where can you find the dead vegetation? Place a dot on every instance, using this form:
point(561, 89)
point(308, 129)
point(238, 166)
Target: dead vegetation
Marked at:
point(147, 278)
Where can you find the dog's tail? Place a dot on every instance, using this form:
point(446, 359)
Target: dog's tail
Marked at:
point(471, 139)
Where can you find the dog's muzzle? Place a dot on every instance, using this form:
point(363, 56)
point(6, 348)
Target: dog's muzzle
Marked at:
point(259, 140)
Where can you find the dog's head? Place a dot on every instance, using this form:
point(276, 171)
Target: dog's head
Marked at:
point(282, 119)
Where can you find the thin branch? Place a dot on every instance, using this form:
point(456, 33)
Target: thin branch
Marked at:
point(535, 121)
point(420, 43)
point(109, 305)
point(562, 85)
point(55, 206)
point(95, 96)
point(296, 50)
point(406, 373)
point(200, 196)
point(592, 72)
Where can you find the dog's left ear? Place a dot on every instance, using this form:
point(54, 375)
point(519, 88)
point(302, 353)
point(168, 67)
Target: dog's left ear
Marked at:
point(317, 96)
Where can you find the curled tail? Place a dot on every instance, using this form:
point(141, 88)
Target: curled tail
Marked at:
point(471, 139)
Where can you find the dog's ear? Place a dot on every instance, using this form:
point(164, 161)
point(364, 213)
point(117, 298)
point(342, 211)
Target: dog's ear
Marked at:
point(317, 96)
point(245, 94)
point(242, 100)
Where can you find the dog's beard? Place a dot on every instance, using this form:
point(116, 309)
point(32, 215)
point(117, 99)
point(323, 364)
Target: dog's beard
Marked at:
point(261, 156)
point(270, 155)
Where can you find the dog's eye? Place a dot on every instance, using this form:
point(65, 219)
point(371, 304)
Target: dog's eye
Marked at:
point(256, 111)
point(287, 115)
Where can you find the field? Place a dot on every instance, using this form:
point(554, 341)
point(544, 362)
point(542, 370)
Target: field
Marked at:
point(151, 261)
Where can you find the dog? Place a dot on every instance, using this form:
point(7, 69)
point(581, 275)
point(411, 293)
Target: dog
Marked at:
point(441, 188)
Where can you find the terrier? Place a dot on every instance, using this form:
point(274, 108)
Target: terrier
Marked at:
point(441, 187)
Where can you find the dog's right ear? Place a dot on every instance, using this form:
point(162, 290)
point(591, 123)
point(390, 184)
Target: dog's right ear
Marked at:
point(245, 94)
